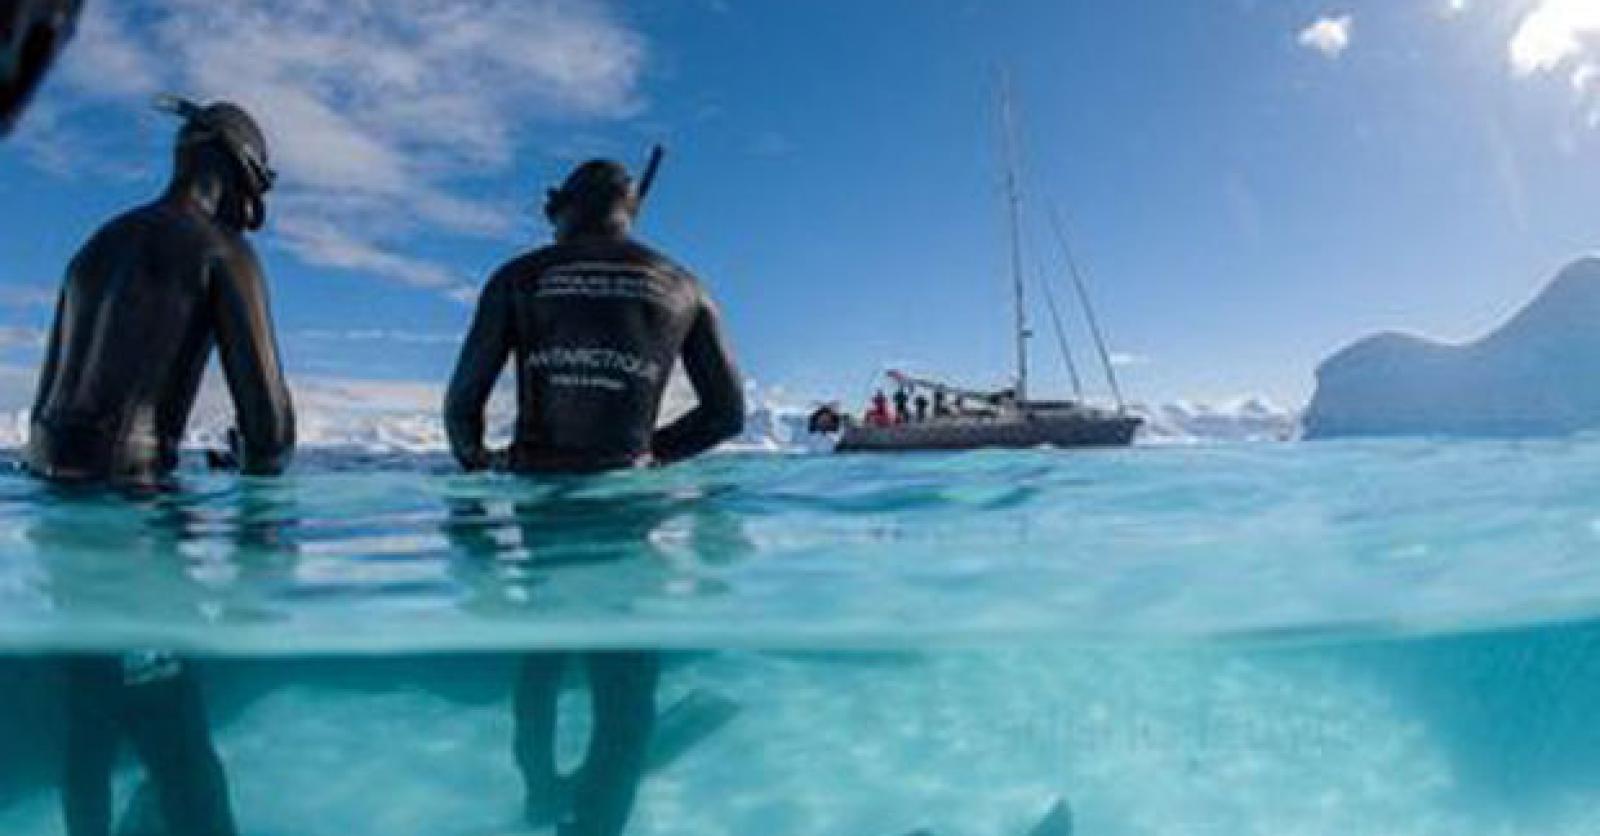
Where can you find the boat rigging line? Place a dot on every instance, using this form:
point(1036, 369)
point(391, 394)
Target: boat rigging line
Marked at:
point(1078, 283)
point(1060, 329)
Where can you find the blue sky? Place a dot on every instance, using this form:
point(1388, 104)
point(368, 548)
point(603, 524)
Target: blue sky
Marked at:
point(1251, 184)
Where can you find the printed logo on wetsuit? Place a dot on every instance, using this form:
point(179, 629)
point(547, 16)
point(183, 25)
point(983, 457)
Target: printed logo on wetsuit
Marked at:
point(602, 280)
point(593, 368)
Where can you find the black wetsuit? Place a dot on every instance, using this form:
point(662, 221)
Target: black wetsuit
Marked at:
point(595, 325)
point(143, 304)
point(164, 717)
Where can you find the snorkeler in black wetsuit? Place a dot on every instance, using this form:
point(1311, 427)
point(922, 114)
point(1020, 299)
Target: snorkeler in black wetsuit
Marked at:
point(142, 306)
point(595, 323)
point(32, 33)
point(145, 301)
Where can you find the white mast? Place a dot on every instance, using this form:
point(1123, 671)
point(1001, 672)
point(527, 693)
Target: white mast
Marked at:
point(1008, 128)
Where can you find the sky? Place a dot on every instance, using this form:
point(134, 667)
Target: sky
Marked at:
point(1250, 184)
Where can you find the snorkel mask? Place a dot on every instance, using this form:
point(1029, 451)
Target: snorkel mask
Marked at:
point(32, 34)
point(232, 129)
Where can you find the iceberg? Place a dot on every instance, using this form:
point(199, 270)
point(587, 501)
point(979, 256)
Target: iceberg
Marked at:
point(1536, 375)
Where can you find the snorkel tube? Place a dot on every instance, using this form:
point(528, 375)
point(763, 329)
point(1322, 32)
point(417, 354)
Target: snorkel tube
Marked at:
point(648, 179)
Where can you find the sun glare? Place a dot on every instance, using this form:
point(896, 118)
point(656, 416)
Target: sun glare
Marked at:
point(1555, 33)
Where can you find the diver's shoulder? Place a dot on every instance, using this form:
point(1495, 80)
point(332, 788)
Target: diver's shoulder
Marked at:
point(147, 216)
point(646, 254)
point(164, 218)
point(132, 227)
point(527, 264)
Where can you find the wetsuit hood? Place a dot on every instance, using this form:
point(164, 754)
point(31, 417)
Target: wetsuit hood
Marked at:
point(32, 33)
point(231, 128)
point(596, 195)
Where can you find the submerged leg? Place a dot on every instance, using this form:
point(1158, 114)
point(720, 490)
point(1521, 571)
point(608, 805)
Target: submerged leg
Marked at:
point(624, 689)
point(93, 691)
point(1057, 821)
point(534, 744)
point(166, 719)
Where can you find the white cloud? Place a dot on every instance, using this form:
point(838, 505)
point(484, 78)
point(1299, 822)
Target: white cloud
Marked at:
point(14, 337)
point(1553, 34)
point(1559, 37)
point(1329, 35)
point(320, 241)
point(26, 296)
point(113, 65)
point(373, 335)
point(1123, 358)
point(382, 114)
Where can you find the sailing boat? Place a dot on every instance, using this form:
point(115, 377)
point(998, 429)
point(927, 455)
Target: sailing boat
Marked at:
point(967, 419)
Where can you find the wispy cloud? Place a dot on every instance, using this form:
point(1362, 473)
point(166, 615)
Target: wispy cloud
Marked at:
point(26, 296)
point(318, 239)
point(772, 144)
point(380, 335)
point(1124, 358)
point(383, 114)
point(1329, 35)
point(13, 337)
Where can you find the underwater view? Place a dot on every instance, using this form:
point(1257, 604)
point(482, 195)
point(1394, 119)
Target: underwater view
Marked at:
point(1373, 637)
point(758, 418)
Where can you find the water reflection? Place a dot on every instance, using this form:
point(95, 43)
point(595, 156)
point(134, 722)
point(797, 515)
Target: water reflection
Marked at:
point(253, 552)
point(250, 554)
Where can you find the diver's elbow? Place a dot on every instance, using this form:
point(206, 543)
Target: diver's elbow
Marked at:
point(271, 454)
point(728, 422)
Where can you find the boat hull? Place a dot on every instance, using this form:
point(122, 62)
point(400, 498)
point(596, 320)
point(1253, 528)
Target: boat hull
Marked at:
point(1070, 430)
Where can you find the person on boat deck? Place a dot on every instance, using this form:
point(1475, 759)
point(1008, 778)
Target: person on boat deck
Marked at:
point(902, 406)
point(594, 323)
point(143, 303)
point(32, 34)
point(921, 403)
point(878, 413)
point(941, 406)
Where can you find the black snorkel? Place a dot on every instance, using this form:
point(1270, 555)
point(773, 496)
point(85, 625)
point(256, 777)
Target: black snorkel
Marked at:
point(648, 179)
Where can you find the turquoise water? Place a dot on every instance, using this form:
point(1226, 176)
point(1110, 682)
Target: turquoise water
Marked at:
point(1386, 637)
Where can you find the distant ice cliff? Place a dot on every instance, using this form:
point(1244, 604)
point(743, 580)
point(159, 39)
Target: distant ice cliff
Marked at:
point(1242, 419)
point(1538, 374)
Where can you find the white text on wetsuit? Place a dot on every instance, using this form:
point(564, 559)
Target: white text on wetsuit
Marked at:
point(593, 367)
point(596, 280)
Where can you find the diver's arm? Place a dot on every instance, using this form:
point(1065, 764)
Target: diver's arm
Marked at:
point(251, 364)
point(52, 360)
point(719, 415)
point(483, 356)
